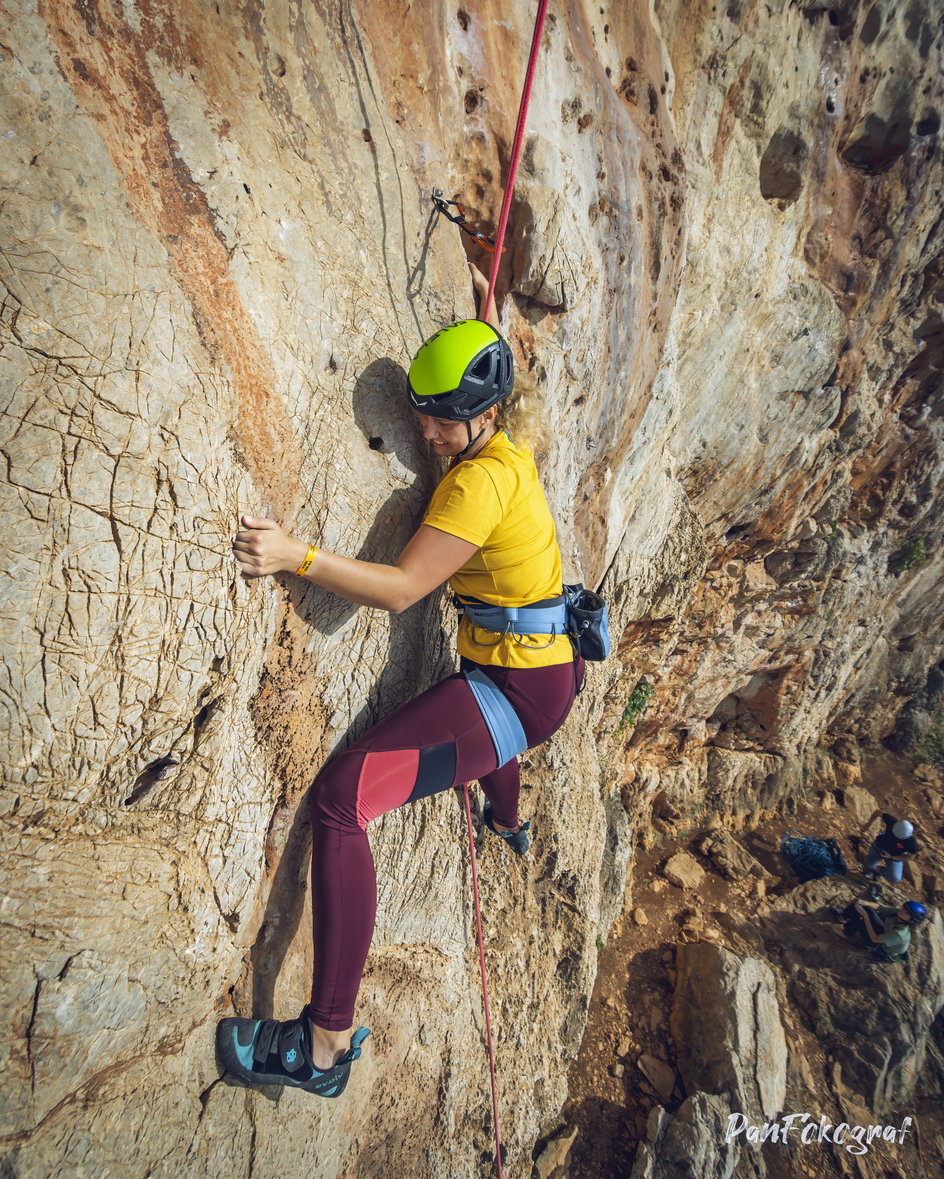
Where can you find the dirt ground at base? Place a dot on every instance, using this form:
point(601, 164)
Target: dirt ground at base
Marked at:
point(610, 1097)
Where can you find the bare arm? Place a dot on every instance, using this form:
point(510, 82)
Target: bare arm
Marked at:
point(863, 909)
point(867, 825)
point(480, 285)
point(870, 929)
point(430, 558)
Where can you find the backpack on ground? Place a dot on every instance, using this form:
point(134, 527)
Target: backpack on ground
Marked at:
point(810, 858)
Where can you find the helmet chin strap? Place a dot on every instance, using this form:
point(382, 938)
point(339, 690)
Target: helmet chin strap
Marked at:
point(472, 441)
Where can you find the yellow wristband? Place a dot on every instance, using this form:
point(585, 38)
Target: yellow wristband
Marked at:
point(306, 564)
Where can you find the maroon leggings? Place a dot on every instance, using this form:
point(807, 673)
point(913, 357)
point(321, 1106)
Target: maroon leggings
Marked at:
point(434, 742)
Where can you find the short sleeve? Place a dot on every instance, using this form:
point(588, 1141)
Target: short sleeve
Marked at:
point(466, 504)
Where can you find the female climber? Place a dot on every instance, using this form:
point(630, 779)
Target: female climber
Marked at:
point(489, 533)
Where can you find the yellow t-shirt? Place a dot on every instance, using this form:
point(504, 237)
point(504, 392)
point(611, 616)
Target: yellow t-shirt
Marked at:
point(496, 501)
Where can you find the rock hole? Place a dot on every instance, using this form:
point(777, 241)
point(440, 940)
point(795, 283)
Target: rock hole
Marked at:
point(584, 121)
point(878, 146)
point(247, 188)
point(471, 101)
point(202, 717)
point(781, 168)
point(205, 1095)
point(568, 968)
point(375, 443)
point(736, 532)
point(332, 364)
point(366, 135)
point(915, 29)
point(653, 100)
point(830, 106)
point(929, 123)
point(156, 771)
point(871, 25)
point(463, 18)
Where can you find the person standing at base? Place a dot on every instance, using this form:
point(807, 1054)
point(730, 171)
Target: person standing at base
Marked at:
point(489, 533)
point(891, 849)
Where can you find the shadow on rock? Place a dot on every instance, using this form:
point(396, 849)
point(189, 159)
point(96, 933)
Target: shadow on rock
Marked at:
point(382, 413)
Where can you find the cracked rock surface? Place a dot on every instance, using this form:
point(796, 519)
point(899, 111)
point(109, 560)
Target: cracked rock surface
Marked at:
point(217, 254)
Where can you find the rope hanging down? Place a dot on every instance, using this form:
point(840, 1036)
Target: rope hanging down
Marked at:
point(497, 247)
point(488, 1017)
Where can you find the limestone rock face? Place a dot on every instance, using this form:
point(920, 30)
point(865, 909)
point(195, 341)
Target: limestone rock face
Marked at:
point(690, 1141)
point(726, 1026)
point(218, 253)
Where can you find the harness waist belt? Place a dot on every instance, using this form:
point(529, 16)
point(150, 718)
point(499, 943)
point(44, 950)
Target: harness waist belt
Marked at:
point(502, 721)
point(549, 618)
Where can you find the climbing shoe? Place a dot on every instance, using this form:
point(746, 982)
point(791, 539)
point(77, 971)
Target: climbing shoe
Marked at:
point(274, 1052)
point(518, 840)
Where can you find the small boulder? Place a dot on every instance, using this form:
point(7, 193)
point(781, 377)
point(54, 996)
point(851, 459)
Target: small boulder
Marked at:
point(860, 802)
point(730, 858)
point(659, 1075)
point(555, 1152)
point(684, 870)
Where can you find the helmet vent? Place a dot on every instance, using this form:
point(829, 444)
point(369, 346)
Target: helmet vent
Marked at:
point(480, 370)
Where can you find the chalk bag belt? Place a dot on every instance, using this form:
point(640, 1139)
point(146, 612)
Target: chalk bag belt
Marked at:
point(502, 721)
point(548, 617)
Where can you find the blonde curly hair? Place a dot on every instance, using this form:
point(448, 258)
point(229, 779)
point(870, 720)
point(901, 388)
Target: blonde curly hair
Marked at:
point(521, 414)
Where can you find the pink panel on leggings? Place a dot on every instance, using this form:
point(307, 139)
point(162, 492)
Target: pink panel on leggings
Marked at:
point(386, 781)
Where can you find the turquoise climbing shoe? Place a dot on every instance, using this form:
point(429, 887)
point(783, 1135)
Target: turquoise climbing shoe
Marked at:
point(518, 841)
point(278, 1052)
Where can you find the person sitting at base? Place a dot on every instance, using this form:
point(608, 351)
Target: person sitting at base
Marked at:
point(885, 929)
point(891, 849)
point(488, 531)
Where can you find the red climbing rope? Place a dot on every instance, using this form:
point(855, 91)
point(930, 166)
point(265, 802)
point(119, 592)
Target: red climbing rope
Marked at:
point(515, 154)
point(488, 1018)
point(493, 273)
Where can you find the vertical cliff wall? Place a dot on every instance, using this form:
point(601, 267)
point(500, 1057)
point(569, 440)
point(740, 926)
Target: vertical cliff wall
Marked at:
point(218, 254)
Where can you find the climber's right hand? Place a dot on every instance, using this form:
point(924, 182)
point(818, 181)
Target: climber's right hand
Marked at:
point(263, 547)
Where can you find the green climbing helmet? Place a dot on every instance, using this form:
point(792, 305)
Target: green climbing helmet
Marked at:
point(461, 371)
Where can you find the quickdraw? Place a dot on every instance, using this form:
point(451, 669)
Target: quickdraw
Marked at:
point(459, 218)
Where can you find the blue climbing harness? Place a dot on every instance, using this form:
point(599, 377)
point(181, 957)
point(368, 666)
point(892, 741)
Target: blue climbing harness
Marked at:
point(578, 613)
point(539, 618)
